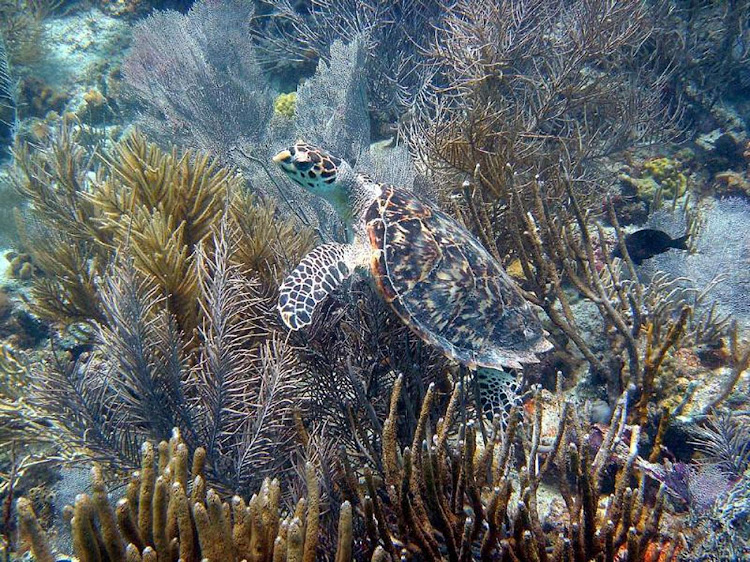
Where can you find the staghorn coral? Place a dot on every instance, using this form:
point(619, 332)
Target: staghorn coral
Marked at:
point(168, 512)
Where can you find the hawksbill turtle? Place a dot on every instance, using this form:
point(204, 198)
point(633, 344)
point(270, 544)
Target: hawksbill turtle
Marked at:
point(431, 270)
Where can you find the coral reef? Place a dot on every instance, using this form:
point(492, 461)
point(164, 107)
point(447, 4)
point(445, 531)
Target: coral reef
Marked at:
point(169, 512)
point(157, 268)
point(440, 497)
point(487, 113)
point(233, 392)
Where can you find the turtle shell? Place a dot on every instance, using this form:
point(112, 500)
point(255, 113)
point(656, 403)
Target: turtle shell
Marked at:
point(446, 286)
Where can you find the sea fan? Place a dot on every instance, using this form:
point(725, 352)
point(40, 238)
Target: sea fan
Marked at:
point(340, 122)
point(196, 75)
point(724, 440)
point(720, 260)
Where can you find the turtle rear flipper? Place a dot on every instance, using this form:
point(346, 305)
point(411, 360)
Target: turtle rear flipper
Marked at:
point(316, 276)
point(498, 392)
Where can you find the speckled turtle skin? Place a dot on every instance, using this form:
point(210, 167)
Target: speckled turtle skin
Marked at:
point(443, 283)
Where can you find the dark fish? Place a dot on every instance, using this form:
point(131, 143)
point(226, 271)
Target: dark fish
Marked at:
point(646, 243)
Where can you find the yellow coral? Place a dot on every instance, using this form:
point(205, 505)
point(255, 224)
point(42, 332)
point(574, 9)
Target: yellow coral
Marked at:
point(659, 175)
point(668, 175)
point(515, 270)
point(285, 104)
point(94, 98)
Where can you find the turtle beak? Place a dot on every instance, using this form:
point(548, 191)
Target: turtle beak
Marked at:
point(282, 156)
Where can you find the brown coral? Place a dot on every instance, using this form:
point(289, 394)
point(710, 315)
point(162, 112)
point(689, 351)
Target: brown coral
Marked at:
point(167, 507)
point(156, 206)
point(443, 498)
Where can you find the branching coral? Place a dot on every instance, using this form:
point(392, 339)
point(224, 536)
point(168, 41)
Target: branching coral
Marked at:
point(515, 125)
point(266, 244)
point(530, 85)
point(233, 393)
point(450, 500)
point(441, 497)
point(159, 206)
point(176, 267)
point(60, 239)
point(168, 512)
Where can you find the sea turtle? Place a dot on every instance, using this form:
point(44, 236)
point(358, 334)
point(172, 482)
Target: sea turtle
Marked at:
point(431, 270)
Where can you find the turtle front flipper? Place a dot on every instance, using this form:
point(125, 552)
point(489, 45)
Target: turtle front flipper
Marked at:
point(316, 276)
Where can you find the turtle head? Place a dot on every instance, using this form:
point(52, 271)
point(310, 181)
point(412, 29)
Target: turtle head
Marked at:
point(320, 173)
point(311, 167)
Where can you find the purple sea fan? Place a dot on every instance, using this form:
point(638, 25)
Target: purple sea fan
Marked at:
point(695, 486)
point(705, 484)
point(197, 75)
point(721, 251)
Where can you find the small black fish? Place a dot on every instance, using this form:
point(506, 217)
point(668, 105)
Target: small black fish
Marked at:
point(646, 243)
